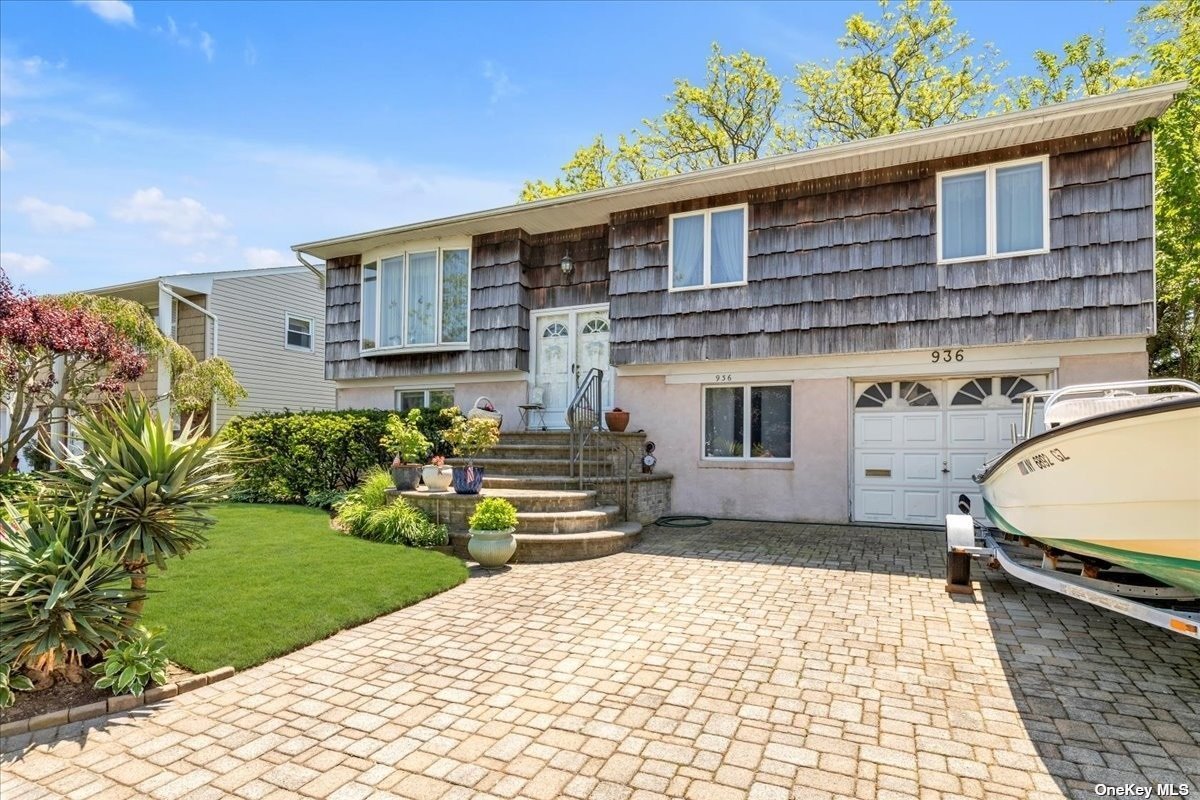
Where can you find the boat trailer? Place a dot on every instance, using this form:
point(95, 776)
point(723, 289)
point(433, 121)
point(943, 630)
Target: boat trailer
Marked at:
point(1165, 606)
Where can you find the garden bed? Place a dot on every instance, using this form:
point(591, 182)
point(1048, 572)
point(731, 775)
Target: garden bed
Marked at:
point(65, 694)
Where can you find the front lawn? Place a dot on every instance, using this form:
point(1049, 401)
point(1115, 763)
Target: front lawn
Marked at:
point(275, 578)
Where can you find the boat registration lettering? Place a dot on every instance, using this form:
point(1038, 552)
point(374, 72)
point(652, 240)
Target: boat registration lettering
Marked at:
point(1042, 460)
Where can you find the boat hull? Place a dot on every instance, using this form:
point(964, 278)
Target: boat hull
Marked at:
point(1122, 487)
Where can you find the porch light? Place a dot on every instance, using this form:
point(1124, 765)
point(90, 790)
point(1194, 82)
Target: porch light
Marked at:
point(567, 264)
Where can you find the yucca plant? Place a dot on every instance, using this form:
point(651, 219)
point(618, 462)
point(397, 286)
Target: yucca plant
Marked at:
point(63, 595)
point(149, 489)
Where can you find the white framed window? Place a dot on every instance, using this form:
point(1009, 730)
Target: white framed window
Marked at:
point(708, 248)
point(748, 422)
point(408, 399)
point(416, 300)
point(297, 332)
point(994, 211)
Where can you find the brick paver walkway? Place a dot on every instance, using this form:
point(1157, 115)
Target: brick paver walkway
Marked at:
point(741, 660)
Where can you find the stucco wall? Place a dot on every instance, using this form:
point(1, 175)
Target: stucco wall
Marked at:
point(1102, 368)
point(813, 488)
point(506, 395)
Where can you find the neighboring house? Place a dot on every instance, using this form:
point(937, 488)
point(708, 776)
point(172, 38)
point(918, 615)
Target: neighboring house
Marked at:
point(834, 335)
point(269, 324)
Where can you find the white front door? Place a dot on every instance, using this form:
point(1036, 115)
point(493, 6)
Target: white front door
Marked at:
point(568, 343)
point(918, 442)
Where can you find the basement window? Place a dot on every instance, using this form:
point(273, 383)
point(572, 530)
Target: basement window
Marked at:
point(408, 399)
point(708, 248)
point(748, 422)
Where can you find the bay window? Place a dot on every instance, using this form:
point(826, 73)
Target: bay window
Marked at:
point(416, 300)
point(748, 422)
point(993, 211)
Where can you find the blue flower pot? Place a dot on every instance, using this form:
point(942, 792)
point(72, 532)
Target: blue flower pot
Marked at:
point(468, 480)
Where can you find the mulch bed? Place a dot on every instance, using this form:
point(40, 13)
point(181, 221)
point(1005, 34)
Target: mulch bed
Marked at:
point(64, 694)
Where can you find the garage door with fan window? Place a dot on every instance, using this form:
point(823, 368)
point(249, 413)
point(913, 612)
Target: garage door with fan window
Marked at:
point(917, 443)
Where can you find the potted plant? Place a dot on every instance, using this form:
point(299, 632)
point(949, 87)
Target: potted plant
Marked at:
point(616, 420)
point(471, 438)
point(409, 446)
point(492, 524)
point(436, 475)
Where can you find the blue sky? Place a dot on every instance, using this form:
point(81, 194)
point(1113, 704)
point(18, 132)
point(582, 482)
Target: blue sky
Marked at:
point(148, 138)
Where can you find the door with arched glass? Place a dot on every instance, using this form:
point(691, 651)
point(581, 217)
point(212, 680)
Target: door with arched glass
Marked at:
point(567, 342)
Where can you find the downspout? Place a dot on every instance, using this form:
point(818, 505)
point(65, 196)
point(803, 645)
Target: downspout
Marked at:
point(313, 268)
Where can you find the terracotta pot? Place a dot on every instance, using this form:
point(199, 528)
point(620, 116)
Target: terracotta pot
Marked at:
point(616, 421)
point(492, 549)
point(406, 477)
point(437, 479)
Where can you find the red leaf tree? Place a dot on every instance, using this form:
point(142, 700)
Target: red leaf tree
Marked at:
point(54, 357)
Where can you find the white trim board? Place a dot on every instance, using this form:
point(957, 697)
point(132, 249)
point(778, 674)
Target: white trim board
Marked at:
point(431, 379)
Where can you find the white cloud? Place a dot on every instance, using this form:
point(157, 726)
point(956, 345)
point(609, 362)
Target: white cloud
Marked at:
point(17, 262)
point(114, 12)
point(184, 221)
point(193, 37)
point(49, 218)
point(497, 78)
point(259, 257)
point(5, 159)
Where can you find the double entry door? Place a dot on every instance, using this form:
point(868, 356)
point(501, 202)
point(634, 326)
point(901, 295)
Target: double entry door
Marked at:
point(567, 343)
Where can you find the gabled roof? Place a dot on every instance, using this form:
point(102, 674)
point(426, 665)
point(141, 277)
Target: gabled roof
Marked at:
point(146, 290)
point(1078, 117)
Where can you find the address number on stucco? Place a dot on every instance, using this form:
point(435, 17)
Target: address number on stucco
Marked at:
point(724, 378)
point(947, 354)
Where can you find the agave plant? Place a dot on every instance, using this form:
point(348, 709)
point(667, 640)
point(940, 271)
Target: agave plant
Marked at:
point(62, 593)
point(149, 489)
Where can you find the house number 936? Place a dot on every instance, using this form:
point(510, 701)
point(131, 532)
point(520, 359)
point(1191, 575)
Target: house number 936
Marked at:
point(946, 355)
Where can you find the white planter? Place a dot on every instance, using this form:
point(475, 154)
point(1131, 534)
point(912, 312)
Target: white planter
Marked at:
point(437, 479)
point(492, 549)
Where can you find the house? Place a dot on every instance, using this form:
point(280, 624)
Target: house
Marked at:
point(267, 323)
point(834, 335)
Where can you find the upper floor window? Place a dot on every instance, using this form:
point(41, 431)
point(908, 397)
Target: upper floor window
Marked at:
point(298, 333)
point(708, 248)
point(416, 299)
point(998, 210)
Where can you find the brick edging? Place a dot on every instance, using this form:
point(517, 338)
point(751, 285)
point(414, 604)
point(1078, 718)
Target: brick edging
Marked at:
point(124, 702)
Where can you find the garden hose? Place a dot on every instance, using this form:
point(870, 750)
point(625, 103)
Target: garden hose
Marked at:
point(683, 521)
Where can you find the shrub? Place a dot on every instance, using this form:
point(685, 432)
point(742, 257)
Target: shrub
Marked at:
point(472, 437)
point(131, 664)
point(353, 515)
point(62, 593)
point(430, 536)
point(12, 681)
point(365, 512)
point(324, 498)
point(433, 424)
point(16, 486)
point(404, 439)
point(493, 514)
point(303, 452)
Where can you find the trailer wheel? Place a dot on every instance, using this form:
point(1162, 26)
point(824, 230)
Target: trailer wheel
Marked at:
point(958, 573)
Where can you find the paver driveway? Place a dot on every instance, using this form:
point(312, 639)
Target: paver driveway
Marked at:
point(741, 660)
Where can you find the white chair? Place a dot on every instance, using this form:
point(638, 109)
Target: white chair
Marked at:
point(536, 405)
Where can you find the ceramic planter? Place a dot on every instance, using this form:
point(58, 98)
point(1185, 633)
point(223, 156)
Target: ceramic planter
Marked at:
point(492, 549)
point(468, 480)
point(437, 479)
point(406, 477)
point(616, 421)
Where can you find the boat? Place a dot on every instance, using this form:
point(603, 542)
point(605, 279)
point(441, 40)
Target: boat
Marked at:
point(1114, 480)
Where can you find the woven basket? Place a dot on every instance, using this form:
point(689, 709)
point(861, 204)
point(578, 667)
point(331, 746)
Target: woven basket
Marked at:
point(480, 410)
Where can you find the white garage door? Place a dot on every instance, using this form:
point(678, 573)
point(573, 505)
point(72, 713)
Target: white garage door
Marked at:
point(917, 443)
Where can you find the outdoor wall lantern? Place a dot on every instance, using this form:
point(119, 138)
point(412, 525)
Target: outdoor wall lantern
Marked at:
point(567, 264)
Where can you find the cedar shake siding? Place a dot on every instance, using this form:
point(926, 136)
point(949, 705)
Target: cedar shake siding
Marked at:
point(849, 264)
point(512, 272)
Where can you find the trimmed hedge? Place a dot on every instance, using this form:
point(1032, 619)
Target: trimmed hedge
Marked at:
point(295, 456)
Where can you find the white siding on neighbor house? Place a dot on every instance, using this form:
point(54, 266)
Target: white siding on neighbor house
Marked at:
point(250, 312)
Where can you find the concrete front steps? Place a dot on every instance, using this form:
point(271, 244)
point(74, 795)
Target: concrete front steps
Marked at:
point(554, 524)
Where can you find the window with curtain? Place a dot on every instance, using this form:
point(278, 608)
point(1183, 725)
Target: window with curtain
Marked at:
point(993, 211)
point(418, 299)
point(708, 248)
point(748, 422)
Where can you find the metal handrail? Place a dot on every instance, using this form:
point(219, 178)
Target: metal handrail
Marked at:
point(583, 419)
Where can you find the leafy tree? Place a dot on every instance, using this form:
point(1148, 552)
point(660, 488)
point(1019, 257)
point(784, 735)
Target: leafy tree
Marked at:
point(1084, 69)
point(909, 69)
point(60, 353)
point(731, 118)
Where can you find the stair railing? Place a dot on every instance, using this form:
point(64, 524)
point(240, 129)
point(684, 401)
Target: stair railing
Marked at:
point(584, 420)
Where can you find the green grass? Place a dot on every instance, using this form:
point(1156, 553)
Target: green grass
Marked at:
point(275, 578)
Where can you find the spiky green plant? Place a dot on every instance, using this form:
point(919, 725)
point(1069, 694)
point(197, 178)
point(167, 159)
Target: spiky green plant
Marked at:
point(63, 595)
point(132, 664)
point(149, 489)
